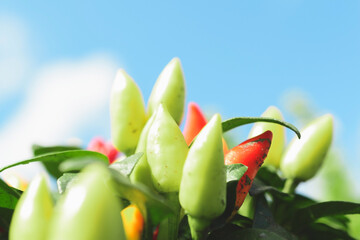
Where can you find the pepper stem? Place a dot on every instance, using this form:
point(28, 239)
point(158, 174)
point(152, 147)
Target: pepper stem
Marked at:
point(199, 227)
point(169, 228)
point(290, 185)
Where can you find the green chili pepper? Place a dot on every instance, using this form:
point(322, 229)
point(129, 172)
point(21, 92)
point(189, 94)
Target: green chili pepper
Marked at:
point(166, 151)
point(303, 157)
point(127, 112)
point(203, 185)
point(33, 212)
point(278, 141)
point(142, 172)
point(169, 89)
point(89, 209)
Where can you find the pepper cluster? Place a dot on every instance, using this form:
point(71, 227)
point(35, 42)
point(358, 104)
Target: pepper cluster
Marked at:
point(189, 169)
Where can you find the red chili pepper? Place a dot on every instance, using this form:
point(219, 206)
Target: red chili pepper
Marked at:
point(98, 144)
point(195, 121)
point(252, 154)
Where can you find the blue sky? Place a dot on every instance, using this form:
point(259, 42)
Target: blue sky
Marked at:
point(239, 57)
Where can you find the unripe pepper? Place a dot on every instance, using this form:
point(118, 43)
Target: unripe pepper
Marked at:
point(278, 141)
point(89, 209)
point(303, 157)
point(252, 154)
point(166, 151)
point(195, 121)
point(127, 113)
point(133, 222)
point(33, 212)
point(169, 89)
point(203, 185)
point(142, 172)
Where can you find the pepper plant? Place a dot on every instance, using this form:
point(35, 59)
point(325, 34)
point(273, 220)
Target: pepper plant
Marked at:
point(169, 184)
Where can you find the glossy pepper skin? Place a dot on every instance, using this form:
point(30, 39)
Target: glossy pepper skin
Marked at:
point(33, 212)
point(195, 121)
point(252, 154)
point(203, 185)
point(127, 111)
point(169, 89)
point(303, 157)
point(89, 209)
point(142, 172)
point(278, 141)
point(166, 151)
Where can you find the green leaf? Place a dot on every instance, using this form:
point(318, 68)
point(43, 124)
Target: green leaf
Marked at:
point(323, 231)
point(62, 156)
point(51, 167)
point(242, 221)
point(5, 220)
point(249, 233)
point(234, 173)
point(264, 219)
point(76, 165)
point(313, 212)
point(8, 196)
point(270, 177)
point(126, 165)
point(153, 207)
point(258, 187)
point(239, 121)
point(64, 180)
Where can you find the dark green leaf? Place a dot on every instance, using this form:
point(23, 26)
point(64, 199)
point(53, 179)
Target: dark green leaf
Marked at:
point(126, 165)
point(239, 121)
point(242, 221)
point(263, 219)
point(8, 196)
point(62, 156)
point(313, 212)
point(51, 167)
point(5, 220)
point(248, 234)
point(269, 177)
point(153, 207)
point(64, 180)
point(323, 231)
point(259, 187)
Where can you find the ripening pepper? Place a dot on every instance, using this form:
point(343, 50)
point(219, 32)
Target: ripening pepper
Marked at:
point(133, 222)
point(32, 213)
point(98, 144)
point(278, 140)
point(195, 121)
point(303, 157)
point(127, 111)
point(169, 90)
point(142, 172)
point(89, 208)
point(252, 154)
point(203, 185)
point(166, 151)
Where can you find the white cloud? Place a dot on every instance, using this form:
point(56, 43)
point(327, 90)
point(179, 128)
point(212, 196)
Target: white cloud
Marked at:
point(14, 55)
point(63, 99)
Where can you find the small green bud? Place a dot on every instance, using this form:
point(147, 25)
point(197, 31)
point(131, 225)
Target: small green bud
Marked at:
point(33, 212)
point(303, 157)
point(166, 151)
point(127, 112)
point(169, 89)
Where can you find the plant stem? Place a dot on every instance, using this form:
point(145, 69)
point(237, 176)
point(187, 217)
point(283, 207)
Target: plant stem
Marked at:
point(199, 227)
point(290, 185)
point(169, 228)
